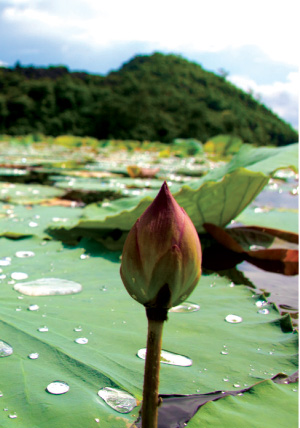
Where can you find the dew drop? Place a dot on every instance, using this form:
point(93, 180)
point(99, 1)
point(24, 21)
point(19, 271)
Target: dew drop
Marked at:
point(224, 352)
point(13, 415)
point(264, 311)
point(121, 401)
point(226, 379)
point(33, 356)
point(19, 275)
point(236, 385)
point(79, 328)
point(168, 358)
point(234, 319)
point(5, 261)
point(48, 287)
point(57, 387)
point(81, 340)
point(1, 394)
point(2, 276)
point(5, 349)
point(185, 307)
point(24, 254)
point(43, 329)
point(33, 307)
point(103, 288)
point(97, 420)
point(84, 256)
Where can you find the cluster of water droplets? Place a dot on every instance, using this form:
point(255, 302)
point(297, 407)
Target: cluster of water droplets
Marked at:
point(262, 305)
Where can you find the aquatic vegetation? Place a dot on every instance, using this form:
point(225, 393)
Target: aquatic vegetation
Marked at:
point(91, 339)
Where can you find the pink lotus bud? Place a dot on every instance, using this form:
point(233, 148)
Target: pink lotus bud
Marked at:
point(161, 260)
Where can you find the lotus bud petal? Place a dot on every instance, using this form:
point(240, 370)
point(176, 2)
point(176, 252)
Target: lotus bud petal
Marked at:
point(161, 260)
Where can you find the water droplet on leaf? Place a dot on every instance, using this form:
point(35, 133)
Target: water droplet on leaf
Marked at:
point(121, 401)
point(81, 340)
point(25, 254)
point(48, 287)
point(43, 329)
point(185, 307)
point(33, 307)
point(33, 356)
point(5, 349)
point(261, 303)
point(168, 358)
point(32, 224)
point(57, 387)
point(19, 275)
point(263, 311)
point(5, 261)
point(233, 319)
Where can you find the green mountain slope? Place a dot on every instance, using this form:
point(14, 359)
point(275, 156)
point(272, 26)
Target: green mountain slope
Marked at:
point(157, 97)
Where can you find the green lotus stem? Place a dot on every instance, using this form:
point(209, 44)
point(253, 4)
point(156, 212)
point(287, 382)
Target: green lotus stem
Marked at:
point(152, 365)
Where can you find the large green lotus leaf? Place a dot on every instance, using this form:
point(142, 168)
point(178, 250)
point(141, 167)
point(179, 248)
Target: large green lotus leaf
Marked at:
point(267, 404)
point(257, 348)
point(214, 202)
point(27, 194)
point(19, 221)
point(265, 159)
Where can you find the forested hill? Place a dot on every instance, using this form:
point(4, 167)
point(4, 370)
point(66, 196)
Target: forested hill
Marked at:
point(157, 98)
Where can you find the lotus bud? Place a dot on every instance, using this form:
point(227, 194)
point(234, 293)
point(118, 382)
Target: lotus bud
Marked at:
point(161, 260)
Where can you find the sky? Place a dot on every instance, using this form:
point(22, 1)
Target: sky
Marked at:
point(255, 42)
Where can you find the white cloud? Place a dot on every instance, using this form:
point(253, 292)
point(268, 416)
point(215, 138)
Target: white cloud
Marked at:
point(189, 27)
point(166, 24)
point(281, 97)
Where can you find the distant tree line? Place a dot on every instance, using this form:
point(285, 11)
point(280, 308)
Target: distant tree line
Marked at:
point(157, 98)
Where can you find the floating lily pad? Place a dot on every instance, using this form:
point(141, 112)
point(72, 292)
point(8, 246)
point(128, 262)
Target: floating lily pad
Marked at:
point(27, 194)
